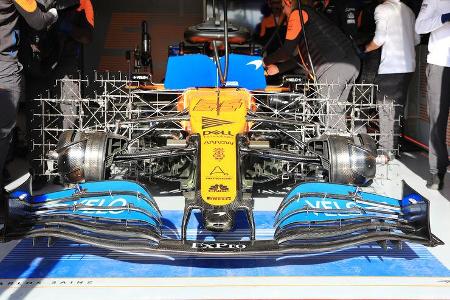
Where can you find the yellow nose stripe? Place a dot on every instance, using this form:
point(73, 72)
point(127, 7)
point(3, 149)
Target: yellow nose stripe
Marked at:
point(218, 116)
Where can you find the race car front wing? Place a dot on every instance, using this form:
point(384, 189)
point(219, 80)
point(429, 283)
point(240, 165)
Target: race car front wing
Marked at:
point(313, 217)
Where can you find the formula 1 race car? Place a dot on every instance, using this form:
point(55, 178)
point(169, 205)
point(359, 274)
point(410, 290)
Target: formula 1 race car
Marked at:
point(218, 144)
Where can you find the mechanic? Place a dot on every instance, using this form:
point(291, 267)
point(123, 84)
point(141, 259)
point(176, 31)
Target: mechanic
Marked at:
point(334, 59)
point(344, 13)
point(366, 31)
point(59, 57)
point(395, 34)
point(11, 81)
point(75, 29)
point(434, 18)
point(270, 36)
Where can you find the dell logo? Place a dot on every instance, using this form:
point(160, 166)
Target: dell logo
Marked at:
point(217, 132)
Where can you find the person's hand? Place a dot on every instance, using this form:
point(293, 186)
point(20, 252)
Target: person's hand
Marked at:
point(361, 52)
point(272, 70)
point(54, 13)
point(445, 18)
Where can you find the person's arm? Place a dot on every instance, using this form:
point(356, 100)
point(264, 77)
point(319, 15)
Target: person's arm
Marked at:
point(416, 39)
point(428, 19)
point(292, 39)
point(372, 46)
point(262, 31)
point(287, 65)
point(81, 30)
point(381, 30)
point(282, 54)
point(85, 34)
point(34, 17)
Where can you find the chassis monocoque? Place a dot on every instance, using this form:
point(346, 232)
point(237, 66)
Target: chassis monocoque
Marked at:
point(217, 144)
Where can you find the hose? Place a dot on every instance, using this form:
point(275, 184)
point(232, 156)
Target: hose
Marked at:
point(223, 74)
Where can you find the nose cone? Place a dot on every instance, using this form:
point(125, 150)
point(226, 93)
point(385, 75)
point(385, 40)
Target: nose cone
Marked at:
point(218, 220)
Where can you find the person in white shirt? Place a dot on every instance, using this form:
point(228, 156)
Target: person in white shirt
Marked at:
point(434, 18)
point(395, 34)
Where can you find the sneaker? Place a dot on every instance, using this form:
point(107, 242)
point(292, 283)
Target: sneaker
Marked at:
point(436, 182)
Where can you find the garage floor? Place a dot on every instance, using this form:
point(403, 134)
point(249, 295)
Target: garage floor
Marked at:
point(74, 271)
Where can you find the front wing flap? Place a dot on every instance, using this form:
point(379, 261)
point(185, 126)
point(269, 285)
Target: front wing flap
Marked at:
point(313, 217)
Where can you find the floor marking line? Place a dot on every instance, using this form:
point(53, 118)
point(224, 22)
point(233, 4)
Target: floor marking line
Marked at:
point(234, 277)
point(236, 285)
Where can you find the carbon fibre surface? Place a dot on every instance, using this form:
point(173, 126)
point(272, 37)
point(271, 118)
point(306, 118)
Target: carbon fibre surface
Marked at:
point(66, 259)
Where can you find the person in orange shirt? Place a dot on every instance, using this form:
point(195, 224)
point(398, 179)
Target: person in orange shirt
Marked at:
point(327, 57)
point(273, 26)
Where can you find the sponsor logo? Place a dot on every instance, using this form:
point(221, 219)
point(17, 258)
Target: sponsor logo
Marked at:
point(212, 105)
point(232, 83)
point(206, 105)
point(218, 153)
point(288, 79)
point(257, 63)
point(140, 77)
point(218, 246)
point(218, 143)
point(218, 188)
point(120, 202)
point(217, 171)
point(342, 205)
point(217, 132)
point(218, 198)
point(210, 122)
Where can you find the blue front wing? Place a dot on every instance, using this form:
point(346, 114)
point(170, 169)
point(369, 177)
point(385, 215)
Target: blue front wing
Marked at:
point(123, 216)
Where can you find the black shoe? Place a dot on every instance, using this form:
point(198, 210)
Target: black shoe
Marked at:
point(436, 182)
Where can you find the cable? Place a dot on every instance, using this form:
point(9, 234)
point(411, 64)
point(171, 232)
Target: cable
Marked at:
point(302, 21)
point(223, 75)
point(276, 32)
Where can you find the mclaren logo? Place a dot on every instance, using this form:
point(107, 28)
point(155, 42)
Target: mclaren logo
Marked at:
point(210, 122)
point(257, 63)
point(218, 246)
